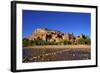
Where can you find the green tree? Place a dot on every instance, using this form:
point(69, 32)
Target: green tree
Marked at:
point(26, 42)
point(66, 42)
point(87, 41)
point(84, 41)
point(81, 41)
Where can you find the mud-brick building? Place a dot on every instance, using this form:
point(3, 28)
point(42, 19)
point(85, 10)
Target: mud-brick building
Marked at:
point(53, 35)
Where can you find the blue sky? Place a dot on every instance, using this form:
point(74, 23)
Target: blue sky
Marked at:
point(66, 22)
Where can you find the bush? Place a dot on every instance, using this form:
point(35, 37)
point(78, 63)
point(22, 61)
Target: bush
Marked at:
point(66, 42)
point(26, 42)
point(85, 41)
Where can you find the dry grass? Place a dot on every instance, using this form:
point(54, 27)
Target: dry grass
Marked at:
point(74, 47)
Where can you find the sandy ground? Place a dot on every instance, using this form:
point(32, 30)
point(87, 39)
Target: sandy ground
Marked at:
point(56, 53)
point(76, 47)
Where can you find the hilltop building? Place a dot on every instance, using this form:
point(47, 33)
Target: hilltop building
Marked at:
point(53, 35)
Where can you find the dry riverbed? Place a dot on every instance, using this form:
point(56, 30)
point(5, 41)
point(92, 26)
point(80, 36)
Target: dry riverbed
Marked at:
point(76, 47)
point(56, 53)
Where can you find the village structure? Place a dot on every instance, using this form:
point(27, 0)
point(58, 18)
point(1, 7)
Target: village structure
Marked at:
point(53, 35)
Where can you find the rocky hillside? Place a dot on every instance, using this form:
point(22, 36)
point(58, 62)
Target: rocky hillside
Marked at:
point(53, 35)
